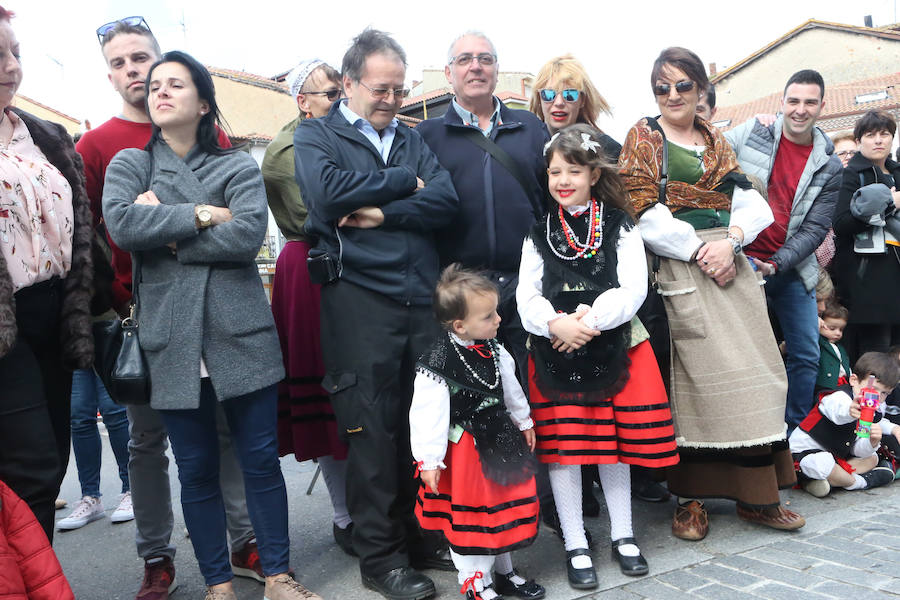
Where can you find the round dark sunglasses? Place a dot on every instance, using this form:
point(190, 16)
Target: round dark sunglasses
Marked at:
point(568, 95)
point(663, 89)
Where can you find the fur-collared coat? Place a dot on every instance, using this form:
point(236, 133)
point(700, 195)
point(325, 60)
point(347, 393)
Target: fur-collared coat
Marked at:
point(75, 324)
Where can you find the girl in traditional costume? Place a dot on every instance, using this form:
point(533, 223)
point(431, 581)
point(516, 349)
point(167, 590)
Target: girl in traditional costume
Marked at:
point(596, 393)
point(479, 489)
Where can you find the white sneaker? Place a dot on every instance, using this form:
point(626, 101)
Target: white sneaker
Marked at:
point(88, 509)
point(124, 512)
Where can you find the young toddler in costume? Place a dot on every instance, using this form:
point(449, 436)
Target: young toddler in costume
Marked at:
point(834, 363)
point(596, 394)
point(825, 446)
point(479, 488)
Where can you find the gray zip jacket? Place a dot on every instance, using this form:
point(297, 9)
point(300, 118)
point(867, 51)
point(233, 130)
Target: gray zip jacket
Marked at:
point(817, 192)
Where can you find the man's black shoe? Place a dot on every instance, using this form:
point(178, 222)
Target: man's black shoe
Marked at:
point(644, 488)
point(344, 538)
point(433, 559)
point(403, 583)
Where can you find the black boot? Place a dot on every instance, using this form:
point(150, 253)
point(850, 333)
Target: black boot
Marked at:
point(403, 583)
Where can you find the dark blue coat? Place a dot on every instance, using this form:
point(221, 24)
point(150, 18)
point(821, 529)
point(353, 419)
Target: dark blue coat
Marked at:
point(495, 212)
point(339, 171)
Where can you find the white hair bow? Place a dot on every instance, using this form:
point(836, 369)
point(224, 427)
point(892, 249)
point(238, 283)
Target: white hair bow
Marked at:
point(588, 144)
point(547, 145)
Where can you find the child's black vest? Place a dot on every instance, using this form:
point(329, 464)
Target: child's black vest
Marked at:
point(837, 439)
point(600, 367)
point(476, 405)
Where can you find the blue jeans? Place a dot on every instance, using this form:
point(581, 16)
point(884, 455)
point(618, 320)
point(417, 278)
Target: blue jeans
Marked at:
point(796, 311)
point(89, 396)
point(195, 443)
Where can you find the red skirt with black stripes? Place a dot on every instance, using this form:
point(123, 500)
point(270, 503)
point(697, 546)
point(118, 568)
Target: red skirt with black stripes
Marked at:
point(477, 515)
point(632, 427)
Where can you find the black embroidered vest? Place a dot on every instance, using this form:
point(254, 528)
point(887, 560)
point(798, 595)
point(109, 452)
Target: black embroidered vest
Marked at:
point(479, 408)
point(600, 368)
point(837, 439)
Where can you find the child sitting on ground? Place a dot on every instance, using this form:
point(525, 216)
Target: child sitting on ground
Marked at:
point(825, 446)
point(834, 363)
point(480, 492)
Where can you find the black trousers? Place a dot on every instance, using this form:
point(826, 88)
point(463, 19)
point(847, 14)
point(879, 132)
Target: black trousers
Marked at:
point(34, 404)
point(370, 344)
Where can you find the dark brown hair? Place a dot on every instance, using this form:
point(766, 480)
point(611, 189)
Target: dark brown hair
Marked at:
point(833, 310)
point(683, 59)
point(450, 293)
point(609, 188)
point(883, 366)
point(874, 120)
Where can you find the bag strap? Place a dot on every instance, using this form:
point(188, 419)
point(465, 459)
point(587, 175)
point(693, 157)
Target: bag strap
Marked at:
point(502, 156)
point(661, 198)
point(664, 168)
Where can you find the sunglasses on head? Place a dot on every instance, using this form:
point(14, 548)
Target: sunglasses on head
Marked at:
point(568, 95)
point(332, 95)
point(663, 89)
point(135, 21)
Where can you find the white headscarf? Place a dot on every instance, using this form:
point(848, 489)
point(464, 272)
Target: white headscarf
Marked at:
point(299, 74)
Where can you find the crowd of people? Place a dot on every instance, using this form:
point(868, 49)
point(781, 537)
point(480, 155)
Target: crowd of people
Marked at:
point(472, 321)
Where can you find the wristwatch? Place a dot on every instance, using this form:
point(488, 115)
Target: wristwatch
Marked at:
point(203, 216)
point(735, 243)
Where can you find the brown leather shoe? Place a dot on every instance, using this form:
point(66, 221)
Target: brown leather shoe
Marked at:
point(776, 517)
point(690, 521)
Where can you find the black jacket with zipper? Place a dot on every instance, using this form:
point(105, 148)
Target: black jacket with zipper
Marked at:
point(339, 171)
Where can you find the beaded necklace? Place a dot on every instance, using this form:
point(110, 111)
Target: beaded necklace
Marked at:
point(592, 242)
point(472, 371)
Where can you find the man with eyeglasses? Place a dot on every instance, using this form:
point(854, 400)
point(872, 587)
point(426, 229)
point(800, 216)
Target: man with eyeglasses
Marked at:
point(375, 194)
point(130, 49)
point(796, 161)
point(495, 157)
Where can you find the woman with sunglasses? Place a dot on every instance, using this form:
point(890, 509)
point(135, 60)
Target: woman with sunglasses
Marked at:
point(306, 425)
point(194, 216)
point(564, 95)
point(728, 389)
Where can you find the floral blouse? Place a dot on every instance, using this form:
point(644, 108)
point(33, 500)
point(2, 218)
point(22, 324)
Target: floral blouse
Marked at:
point(36, 215)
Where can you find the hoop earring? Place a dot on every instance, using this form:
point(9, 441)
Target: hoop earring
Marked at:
point(308, 115)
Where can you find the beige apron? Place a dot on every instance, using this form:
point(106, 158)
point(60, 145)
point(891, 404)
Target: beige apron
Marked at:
point(729, 384)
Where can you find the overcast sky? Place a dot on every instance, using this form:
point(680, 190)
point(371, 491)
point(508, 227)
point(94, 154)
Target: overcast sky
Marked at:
point(617, 41)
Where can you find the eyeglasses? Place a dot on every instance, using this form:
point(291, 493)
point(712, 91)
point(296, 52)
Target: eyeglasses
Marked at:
point(381, 93)
point(846, 153)
point(463, 60)
point(135, 21)
point(332, 95)
point(569, 95)
point(663, 89)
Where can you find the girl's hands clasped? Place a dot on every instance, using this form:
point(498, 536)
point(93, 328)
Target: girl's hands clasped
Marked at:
point(568, 333)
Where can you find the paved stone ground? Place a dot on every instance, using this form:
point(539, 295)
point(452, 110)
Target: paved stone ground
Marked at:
point(849, 549)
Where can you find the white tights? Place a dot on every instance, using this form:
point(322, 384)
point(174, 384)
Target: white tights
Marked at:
point(565, 481)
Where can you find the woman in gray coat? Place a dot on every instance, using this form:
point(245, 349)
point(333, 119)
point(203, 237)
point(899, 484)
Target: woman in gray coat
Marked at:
point(194, 216)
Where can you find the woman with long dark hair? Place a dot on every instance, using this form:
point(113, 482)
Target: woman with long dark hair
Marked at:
point(194, 216)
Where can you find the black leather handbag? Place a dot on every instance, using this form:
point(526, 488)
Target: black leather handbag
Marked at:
point(118, 358)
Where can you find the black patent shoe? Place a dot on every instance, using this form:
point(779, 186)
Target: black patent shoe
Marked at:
point(530, 590)
point(433, 559)
point(472, 595)
point(403, 583)
point(630, 565)
point(344, 538)
point(580, 579)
